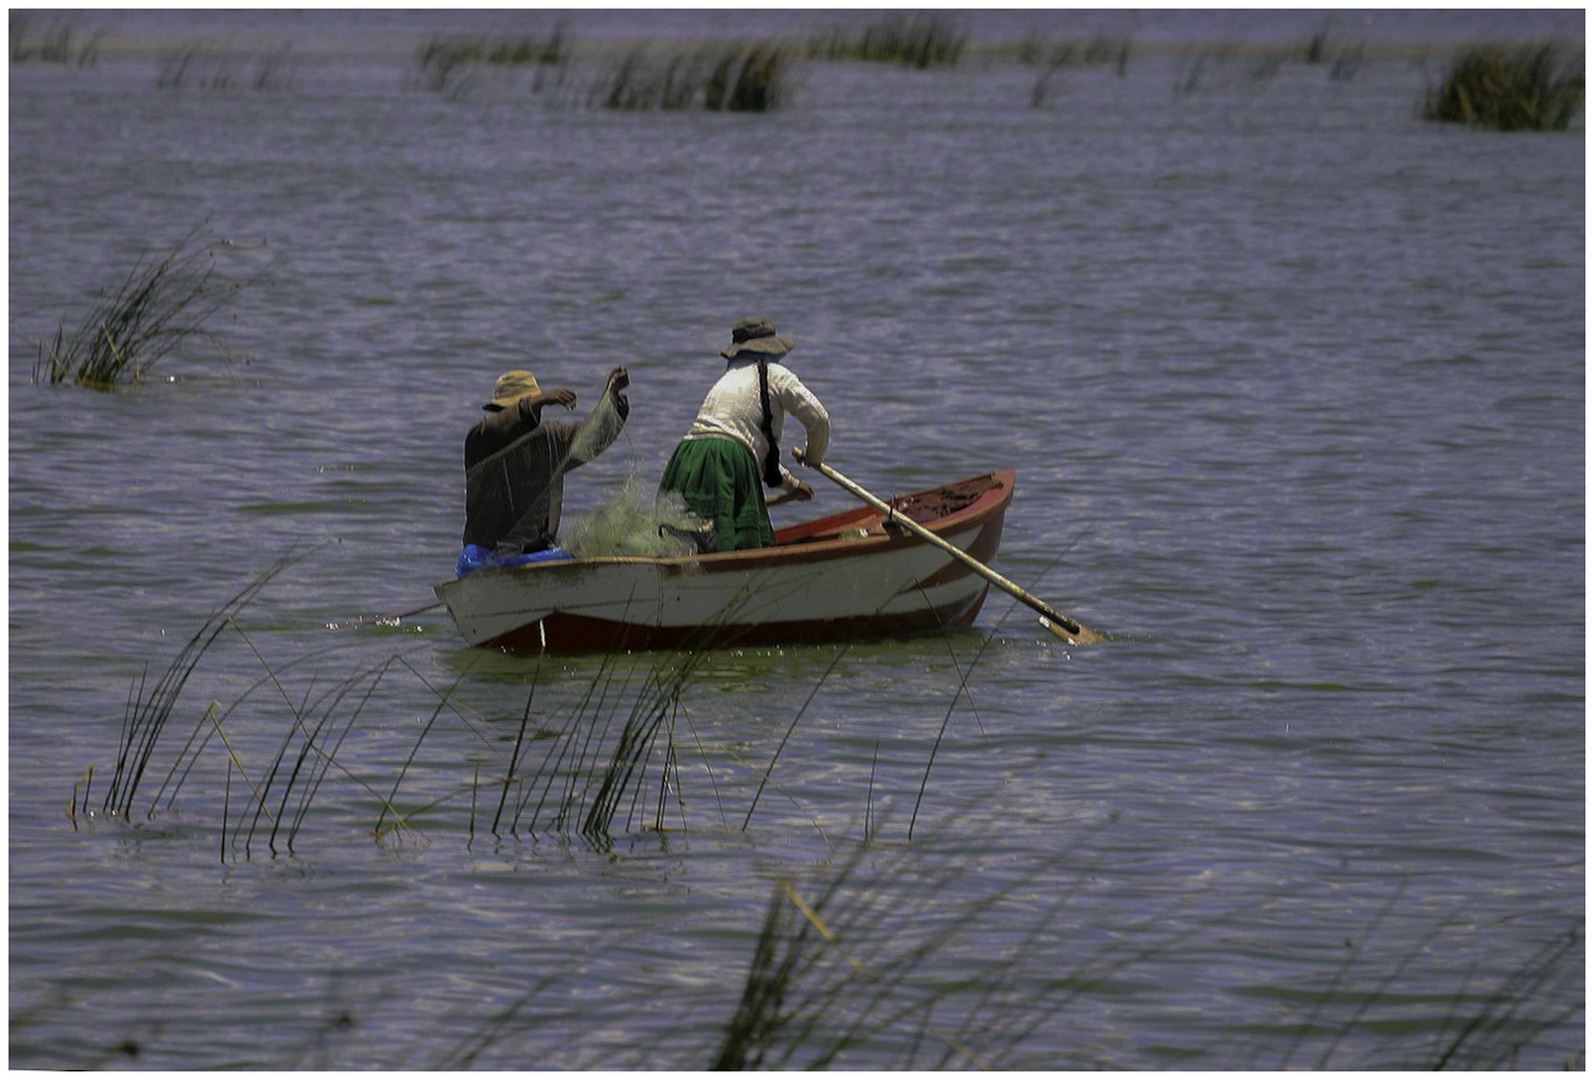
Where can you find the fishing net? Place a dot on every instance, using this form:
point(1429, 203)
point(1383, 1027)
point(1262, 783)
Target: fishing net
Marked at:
point(633, 522)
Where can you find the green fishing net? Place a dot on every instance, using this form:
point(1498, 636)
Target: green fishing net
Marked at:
point(629, 523)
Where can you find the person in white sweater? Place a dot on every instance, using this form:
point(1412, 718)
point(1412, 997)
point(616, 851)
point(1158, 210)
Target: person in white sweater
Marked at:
point(732, 451)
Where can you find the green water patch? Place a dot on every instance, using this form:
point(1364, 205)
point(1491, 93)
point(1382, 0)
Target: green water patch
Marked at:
point(317, 506)
point(57, 558)
point(1277, 686)
point(388, 628)
point(1552, 698)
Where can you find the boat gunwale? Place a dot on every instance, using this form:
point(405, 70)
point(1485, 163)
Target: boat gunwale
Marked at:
point(795, 551)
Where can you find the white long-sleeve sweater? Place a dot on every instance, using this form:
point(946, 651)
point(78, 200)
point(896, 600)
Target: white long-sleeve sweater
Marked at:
point(732, 410)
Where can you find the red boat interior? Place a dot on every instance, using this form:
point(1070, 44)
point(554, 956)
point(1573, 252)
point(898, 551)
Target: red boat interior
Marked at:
point(922, 507)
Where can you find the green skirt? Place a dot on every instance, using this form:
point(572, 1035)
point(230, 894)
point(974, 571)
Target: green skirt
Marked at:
point(719, 480)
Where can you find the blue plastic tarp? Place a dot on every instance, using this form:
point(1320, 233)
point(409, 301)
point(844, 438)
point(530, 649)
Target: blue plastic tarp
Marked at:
point(475, 557)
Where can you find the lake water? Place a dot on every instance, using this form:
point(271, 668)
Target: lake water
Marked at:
point(1293, 383)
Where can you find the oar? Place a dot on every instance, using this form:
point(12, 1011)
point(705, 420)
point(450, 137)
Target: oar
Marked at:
point(1070, 630)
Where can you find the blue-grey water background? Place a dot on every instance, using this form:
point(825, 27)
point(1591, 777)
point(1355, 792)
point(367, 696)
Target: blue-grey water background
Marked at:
point(1293, 383)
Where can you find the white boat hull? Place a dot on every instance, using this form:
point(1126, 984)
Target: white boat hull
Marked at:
point(813, 586)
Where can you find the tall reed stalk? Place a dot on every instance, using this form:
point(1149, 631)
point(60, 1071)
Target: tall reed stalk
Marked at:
point(1544, 992)
point(149, 708)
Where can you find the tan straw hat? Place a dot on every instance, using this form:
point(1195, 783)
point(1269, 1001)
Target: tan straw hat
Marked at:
point(756, 334)
point(510, 388)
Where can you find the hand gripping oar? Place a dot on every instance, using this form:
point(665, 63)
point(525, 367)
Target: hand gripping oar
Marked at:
point(1070, 630)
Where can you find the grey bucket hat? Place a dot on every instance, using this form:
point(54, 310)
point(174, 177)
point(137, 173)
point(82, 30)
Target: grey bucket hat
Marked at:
point(756, 334)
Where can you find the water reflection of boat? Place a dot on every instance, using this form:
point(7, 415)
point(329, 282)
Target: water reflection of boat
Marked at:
point(848, 576)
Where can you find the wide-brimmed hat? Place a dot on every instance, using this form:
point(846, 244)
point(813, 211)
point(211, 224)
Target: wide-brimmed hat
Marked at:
point(510, 388)
point(756, 334)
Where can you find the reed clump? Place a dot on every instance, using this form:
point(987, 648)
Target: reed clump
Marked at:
point(55, 45)
point(1534, 88)
point(202, 65)
point(737, 78)
point(161, 303)
point(921, 41)
point(443, 60)
point(197, 66)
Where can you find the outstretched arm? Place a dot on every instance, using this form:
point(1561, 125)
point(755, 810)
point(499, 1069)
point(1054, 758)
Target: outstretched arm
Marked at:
point(603, 425)
point(558, 396)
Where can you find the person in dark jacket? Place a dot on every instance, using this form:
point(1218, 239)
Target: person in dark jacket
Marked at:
point(515, 462)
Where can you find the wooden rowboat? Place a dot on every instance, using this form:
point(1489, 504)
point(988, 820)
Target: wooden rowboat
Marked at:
point(848, 576)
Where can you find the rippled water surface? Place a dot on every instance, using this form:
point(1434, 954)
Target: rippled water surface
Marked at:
point(1293, 383)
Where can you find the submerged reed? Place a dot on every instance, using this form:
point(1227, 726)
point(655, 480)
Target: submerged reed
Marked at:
point(160, 304)
point(1534, 88)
